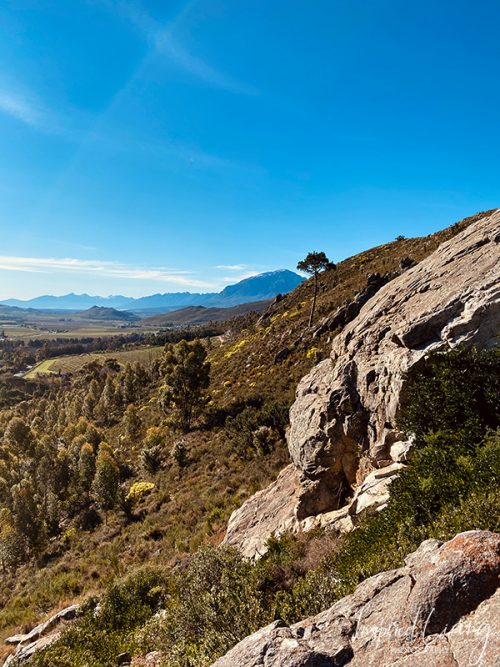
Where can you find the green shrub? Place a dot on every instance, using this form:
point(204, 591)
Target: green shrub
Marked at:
point(132, 600)
point(455, 392)
point(105, 632)
point(244, 430)
point(214, 604)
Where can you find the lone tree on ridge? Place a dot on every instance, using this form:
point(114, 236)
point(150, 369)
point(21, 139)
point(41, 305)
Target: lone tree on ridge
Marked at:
point(314, 263)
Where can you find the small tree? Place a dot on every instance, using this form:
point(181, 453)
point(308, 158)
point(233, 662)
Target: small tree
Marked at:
point(179, 453)
point(86, 467)
point(186, 378)
point(151, 458)
point(19, 437)
point(132, 422)
point(152, 452)
point(12, 544)
point(91, 400)
point(106, 484)
point(107, 403)
point(129, 389)
point(27, 520)
point(314, 263)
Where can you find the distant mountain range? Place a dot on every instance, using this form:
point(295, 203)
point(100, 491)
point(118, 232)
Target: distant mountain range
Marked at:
point(257, 288)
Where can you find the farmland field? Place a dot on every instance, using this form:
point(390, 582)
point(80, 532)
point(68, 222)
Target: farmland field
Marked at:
point(19, 331)
point(68, 330)
point(74, 363)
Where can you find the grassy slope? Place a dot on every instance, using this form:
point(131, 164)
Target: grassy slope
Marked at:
point(188, 509)
point(193, 315)
point(244, 365)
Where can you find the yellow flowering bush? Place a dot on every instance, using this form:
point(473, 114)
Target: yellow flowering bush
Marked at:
point(138, 490)
point(236, 348)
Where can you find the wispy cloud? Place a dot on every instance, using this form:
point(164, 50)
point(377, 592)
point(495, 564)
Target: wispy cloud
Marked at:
point(22, 109)
point(72, 125)
point(231, 267)
point(26, 107)
point(107, 269)
point(36, 116)
point(164, 41)
point(163, 148)
point(167, 45)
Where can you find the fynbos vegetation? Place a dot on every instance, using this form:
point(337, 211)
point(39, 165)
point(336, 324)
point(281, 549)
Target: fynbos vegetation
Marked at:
point(117, 482)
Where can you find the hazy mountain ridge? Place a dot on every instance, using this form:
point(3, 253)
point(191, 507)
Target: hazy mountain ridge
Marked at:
point(257, 288)
point(103, 313)
point(195, 315)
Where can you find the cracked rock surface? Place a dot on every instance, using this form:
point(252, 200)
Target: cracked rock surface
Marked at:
point(343, 422)
point(441, 609)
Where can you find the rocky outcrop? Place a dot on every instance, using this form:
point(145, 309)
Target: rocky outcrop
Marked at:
point(441, 608)
point(272, 511)
point(348, 311)
point(343, 421)
point(273, 507)
point(40, 637)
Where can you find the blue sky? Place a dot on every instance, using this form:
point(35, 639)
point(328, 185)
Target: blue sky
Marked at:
point(172, 146)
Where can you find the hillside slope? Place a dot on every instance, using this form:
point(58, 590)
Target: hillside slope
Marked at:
point(103, 314)
point(194, 315)
point(236, 448)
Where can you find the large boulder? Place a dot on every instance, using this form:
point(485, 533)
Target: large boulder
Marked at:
point(343, 422)
point(441, 608)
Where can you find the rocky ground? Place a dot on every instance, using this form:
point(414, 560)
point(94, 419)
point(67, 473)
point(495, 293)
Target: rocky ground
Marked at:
point(441, 609)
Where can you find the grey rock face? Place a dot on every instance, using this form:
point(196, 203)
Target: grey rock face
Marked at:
point(347, 312)
point(346, 407)
point(343, 421)
point(441, 608)
point(41, 636)
point(272, 507)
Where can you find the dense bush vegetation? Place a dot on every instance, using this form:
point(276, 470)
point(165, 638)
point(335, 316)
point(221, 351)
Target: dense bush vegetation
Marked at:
point(107, 629)
point(451, 485)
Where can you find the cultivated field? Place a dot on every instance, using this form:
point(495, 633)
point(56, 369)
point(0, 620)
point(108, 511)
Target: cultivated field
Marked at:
point(74, 363)
point(66, 330)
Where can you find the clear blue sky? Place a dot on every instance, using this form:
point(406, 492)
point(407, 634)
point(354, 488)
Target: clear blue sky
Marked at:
point(163, 146)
